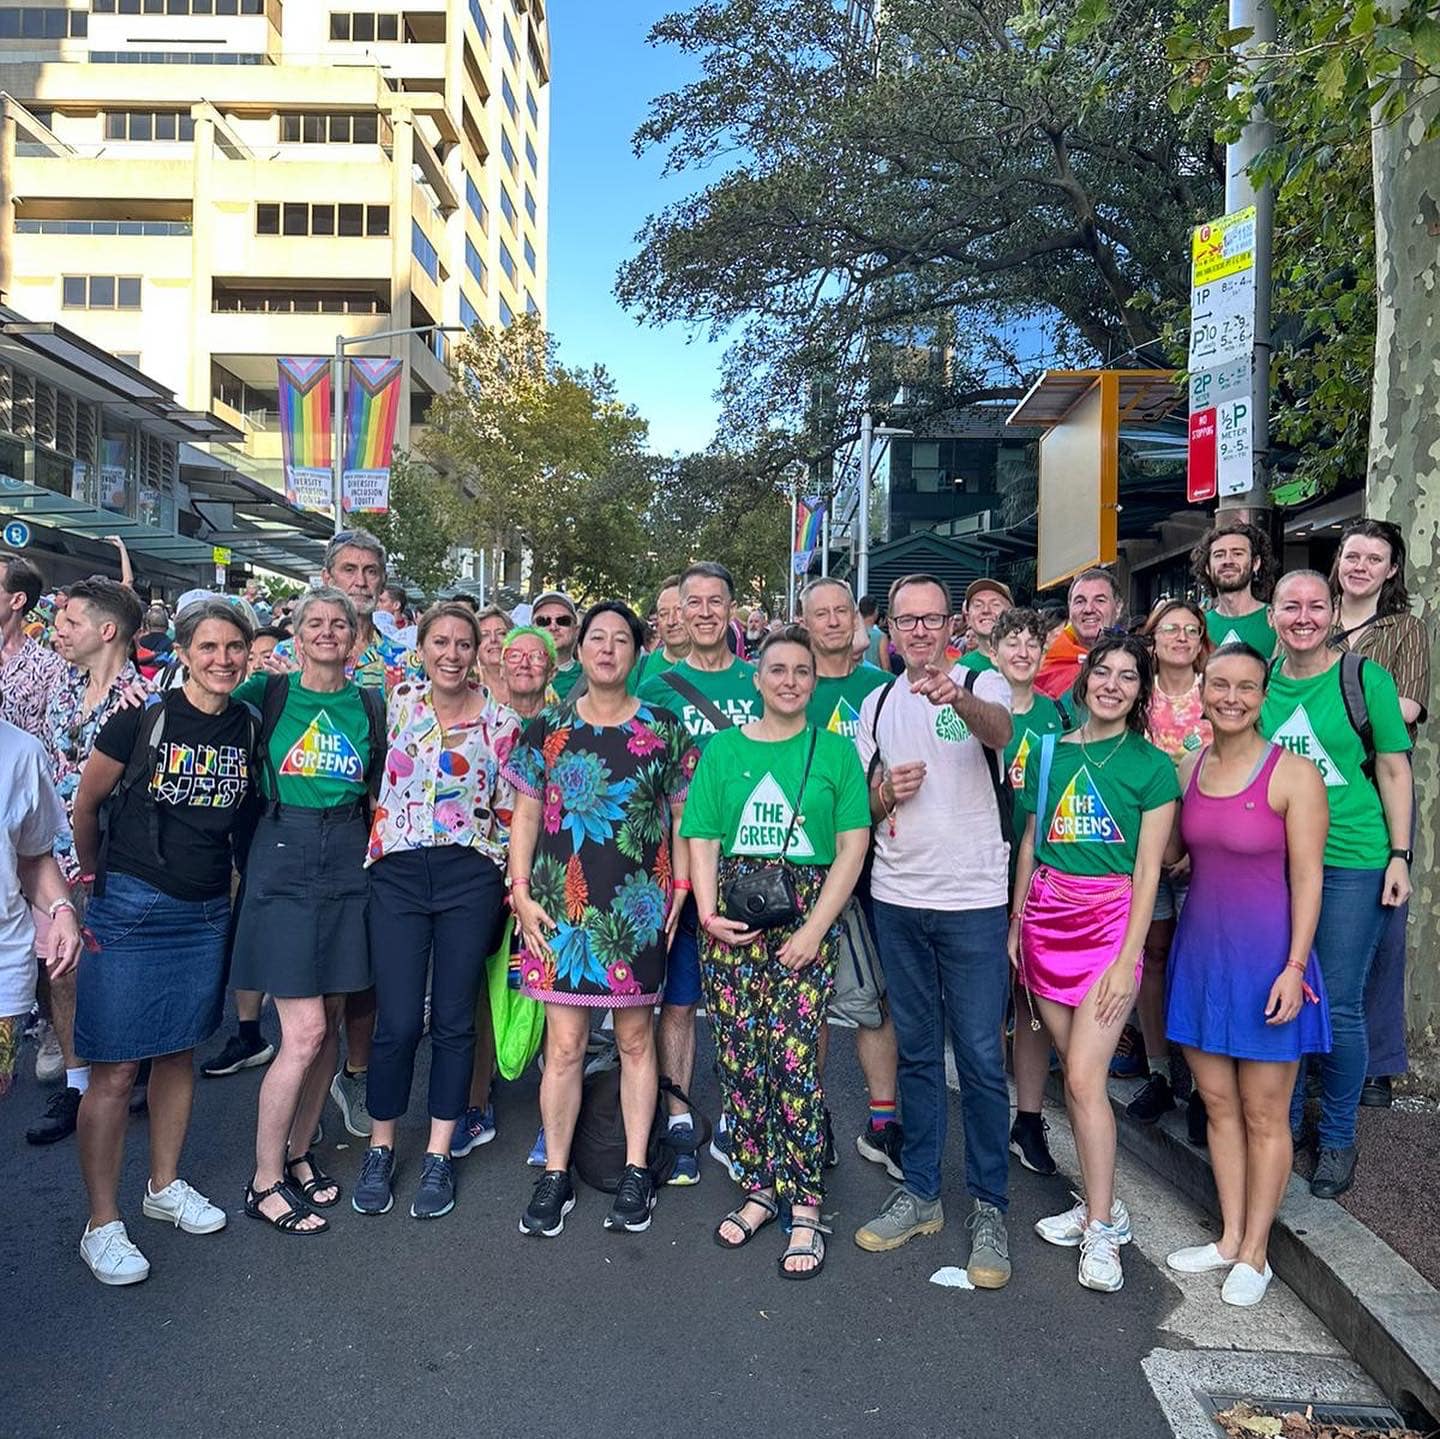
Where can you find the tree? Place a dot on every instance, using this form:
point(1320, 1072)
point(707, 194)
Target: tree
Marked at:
point(423, 525)
point(548, 457)
point(915, 185)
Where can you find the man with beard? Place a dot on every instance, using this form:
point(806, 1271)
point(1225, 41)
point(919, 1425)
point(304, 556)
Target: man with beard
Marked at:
point(1095, 607)
point(1234, 565)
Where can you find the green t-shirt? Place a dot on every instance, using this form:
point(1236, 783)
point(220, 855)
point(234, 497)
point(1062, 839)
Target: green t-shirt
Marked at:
point(321, 745)
point(1253, 629)
point(646, 668)
point(566, 680)
point(1094, 803)
point(744, 792)
point(731, 690)
point(1308, 717)
point(976, 661)
point(835, 705)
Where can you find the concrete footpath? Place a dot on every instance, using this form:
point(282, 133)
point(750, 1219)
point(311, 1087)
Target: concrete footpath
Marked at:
point(1385, 1313)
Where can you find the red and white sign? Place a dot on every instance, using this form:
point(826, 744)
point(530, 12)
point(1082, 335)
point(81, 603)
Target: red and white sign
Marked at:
point(1201, 471)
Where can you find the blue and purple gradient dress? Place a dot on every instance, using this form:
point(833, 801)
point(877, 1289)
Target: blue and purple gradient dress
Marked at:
point(1233, 937)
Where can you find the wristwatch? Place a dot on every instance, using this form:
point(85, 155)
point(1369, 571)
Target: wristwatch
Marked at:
point(1408, 855)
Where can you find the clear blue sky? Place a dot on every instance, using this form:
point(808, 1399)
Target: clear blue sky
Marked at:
point(602, 79)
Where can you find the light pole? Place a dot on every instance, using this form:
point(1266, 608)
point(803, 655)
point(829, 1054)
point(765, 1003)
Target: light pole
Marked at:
point(868, 431)
point(337, 402)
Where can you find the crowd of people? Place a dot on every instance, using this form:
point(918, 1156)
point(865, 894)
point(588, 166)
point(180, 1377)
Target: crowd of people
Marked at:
point(1180, 847)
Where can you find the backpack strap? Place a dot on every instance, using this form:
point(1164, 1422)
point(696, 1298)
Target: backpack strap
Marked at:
point(139, 767)
point(875, 731)
point(272, 706)
point(1357, 711)
point(373, 701)
point(1047, 757)
point(999, 776)
point(686, 689)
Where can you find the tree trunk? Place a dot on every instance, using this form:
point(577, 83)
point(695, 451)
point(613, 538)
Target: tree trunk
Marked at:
point(1403, 480)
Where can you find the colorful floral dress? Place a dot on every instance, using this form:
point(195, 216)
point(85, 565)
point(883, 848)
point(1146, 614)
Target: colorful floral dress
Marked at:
point(601, 868)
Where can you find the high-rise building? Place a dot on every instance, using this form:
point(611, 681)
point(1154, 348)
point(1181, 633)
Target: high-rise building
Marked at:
point(199, 186)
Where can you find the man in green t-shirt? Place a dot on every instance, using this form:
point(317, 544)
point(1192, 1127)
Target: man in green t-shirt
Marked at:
point(985, 601)
point(726, 684)
point(555, 613)
point(1367, 854)
point(674, 641)
point(1234, 565)
point(827, 609)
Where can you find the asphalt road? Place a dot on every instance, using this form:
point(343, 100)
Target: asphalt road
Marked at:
point(465, 1327)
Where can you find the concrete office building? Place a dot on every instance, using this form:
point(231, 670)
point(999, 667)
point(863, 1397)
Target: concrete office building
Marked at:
point(199, 186)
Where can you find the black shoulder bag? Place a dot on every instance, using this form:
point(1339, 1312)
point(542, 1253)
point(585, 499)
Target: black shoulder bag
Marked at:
point(766, 898)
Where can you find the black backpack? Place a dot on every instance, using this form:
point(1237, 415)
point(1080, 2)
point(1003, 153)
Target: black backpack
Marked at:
point(598, 1148)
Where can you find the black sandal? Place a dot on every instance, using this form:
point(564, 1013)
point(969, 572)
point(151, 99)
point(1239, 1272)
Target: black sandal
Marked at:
point(295, 1216)
point(318, 1180)
point(772, 1212)
point(815, 1250)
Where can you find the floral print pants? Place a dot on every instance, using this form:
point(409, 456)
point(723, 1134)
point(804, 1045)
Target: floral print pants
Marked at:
point(766, 1020)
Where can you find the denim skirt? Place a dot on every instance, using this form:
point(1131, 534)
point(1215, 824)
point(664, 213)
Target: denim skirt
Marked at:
point(156, 983)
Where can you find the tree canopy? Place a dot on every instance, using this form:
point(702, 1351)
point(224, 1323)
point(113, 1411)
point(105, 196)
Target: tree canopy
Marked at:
point(423, 525)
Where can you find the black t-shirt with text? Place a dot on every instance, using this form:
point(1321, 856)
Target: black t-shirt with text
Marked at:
point(199, 782)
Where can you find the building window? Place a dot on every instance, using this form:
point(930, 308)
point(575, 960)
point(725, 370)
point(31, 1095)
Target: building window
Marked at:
point(531, 308)
point(149, 125)
point(507, 315)
point(476, 203)
point(102, 227)
point(530, 255)
point(296, 302)
point(177, 57)
point(532, 157)
point(476, 266)
point(469, 315)
point(508, 96)
point(178, 7)
point(507, 262)
point(364, 25)
point(100, 292)
point(530, 208)
point(31, 22)
point(532, 105)
point(480, 24)
point(424, 251)
point(129, 357)
point(507, 149)
point(507, 208)
point(329, 129)
point(510, 49)
point(322, 219)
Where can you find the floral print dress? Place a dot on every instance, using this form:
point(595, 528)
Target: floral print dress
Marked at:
point(601, 868)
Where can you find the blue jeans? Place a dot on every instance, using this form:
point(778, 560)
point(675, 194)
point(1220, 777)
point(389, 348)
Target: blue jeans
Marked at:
point(1352, 921)
point(948, 968)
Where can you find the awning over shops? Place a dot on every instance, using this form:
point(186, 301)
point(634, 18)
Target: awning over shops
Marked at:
point(257, 523)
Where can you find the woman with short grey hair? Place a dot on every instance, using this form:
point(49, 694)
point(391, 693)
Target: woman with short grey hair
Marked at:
point(301, 931)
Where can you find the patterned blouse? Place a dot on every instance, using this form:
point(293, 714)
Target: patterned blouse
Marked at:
point(27, 679)
point(1177, 722)
point(444, 786)
point(382, 664)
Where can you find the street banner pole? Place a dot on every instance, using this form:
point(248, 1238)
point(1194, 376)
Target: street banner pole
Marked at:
point(790, 551)
point(337, 432)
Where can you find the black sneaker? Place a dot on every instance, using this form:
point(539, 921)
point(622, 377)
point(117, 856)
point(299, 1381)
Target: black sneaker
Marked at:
point(1334, 1173)
point(832, 1157)
point(1153, 1099)
point(373, 1193)
point(58, 1121)
point(1376, 1092)
point(1197, 1121)
point(1028, 1143)
point(436, 1194)
point(238, 1055)
point(553, 1199)
point(634, 1200)
point(883, 1146)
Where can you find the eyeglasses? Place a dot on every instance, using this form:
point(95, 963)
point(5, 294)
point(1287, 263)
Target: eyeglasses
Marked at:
point(559, 622)
point(521, 659)
point(929, 622)
point(1191, 632)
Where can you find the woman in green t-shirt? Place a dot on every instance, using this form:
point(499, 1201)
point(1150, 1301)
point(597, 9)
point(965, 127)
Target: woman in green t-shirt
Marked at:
point(778, 788)
point(1099, 805)
point(300, 931)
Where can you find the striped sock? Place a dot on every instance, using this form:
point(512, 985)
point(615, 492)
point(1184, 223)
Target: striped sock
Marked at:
point(882, 1112)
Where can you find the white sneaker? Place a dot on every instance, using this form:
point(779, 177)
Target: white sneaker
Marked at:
point(1100, 1258)
point(183, 1207)
point(1245, 1285)
point(110, 1255)
point(1068, 1229)
point(1198, 1259)
point(49, 1059)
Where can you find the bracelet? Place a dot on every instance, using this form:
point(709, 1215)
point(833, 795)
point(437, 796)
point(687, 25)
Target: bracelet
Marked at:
point(1297, 965)
point(63, 904)
point(86, 879)
point(520, 883)
point(682, 884)
point(705, 922)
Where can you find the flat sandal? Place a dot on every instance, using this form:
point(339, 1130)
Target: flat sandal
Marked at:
point(772, 1212)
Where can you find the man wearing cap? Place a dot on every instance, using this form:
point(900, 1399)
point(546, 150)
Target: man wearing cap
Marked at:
point(555, 613)
point(985, 601)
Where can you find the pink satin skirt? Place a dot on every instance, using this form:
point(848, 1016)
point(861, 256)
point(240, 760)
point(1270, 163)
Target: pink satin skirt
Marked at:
point(1071, 928)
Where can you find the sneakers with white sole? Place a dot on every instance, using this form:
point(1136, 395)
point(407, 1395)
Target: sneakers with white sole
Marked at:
point(1245, 1285)
point(184, 1207)
point(1100, 1258)
point(1068, 1229)
point(49, 1059)
point(111, 1257)
point(1198, 1259)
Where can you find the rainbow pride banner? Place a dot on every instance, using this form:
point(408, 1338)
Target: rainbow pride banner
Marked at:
point(372, 405)
point(305, 432)
point(809, 532)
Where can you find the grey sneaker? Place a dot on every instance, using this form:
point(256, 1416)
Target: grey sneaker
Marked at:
point(1334, 1173)
point(349, 1096)
point(989, 1266)
point(903, 1218)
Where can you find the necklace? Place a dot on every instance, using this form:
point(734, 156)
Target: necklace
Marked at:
point(1100, 764)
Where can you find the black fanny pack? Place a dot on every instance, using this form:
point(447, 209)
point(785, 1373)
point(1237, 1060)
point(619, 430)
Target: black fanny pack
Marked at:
point(766, 898)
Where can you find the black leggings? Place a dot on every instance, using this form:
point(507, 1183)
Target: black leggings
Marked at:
point(444, 902)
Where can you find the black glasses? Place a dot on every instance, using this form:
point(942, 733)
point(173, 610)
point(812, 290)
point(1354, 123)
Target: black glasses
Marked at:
point(930, 622)
point(562, 622)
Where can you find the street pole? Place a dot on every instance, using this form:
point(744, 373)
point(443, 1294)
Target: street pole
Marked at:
point(825, 537)
point(1258, 133)
point(790, 552)
point(862, 543)
point(337, 425)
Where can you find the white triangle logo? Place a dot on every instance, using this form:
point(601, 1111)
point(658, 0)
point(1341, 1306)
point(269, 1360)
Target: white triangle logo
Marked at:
point(763, 822)
point(1297, 734)
point(1231, 639)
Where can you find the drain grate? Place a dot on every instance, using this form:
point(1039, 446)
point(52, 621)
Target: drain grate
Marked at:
point(1380, 1417)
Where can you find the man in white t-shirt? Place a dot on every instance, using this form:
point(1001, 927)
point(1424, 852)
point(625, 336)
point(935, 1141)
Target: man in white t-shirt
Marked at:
point(939, 888)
